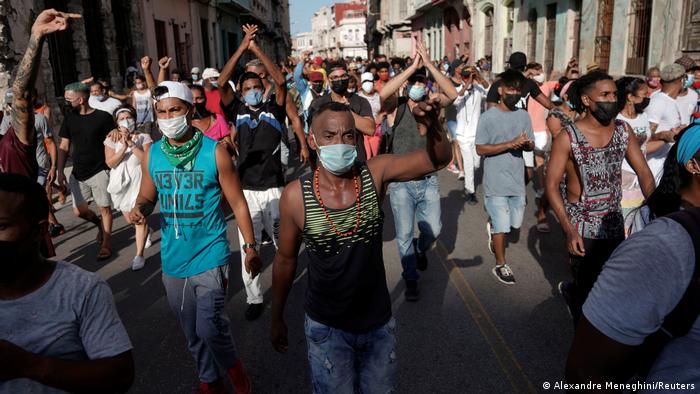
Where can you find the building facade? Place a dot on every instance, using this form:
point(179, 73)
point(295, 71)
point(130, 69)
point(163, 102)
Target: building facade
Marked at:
point(323, 31)
point(301, 43)
point(339, 30)
point(114, 34)
point(620, 36)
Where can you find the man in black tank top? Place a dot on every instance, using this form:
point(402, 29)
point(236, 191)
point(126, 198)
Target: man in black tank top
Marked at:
point(417, 200)
point(336, 212)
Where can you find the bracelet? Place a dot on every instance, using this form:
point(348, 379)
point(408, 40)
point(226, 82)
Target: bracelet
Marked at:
point(253, 246)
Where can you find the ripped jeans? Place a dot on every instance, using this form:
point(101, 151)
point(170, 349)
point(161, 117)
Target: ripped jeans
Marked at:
point(345, 363)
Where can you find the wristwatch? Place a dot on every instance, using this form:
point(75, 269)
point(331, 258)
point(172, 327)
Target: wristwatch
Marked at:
point(253, 246)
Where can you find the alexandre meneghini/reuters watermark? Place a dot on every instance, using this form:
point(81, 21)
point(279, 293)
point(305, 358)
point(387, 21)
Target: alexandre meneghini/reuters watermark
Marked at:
point(632, 386)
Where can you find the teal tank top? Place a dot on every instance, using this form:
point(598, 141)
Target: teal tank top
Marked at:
point(192, 223)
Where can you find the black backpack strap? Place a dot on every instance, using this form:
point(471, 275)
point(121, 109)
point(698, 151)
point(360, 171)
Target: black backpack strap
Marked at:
point(679, 322)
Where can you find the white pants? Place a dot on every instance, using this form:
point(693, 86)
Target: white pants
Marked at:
point(470, 160)
point(264, 207)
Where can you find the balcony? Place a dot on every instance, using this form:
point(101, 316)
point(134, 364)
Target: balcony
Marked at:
point(243, 5)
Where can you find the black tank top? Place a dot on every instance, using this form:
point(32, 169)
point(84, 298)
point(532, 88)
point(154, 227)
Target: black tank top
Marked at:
point(347, 282)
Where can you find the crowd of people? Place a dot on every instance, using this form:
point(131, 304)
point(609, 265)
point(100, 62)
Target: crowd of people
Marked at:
point(617, 162)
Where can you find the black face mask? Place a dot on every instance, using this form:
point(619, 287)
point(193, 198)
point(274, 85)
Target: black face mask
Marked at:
point(317, 87)
point(639, 107)
point(511, 101)
point(200, 111)
point(340, 86)
point(605, 112)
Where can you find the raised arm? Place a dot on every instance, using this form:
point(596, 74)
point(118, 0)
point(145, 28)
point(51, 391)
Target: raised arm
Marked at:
point(449, 93)
point(284, 265)
point(225, 90)
point(146, 67)
point(273, 70)
point(437, 154)
point(47, 22)
point(163, 65)
point(394, 84)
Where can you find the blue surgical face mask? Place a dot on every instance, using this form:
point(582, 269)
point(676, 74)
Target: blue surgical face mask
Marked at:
point(689, 81)
point(253, 97)
point(416, 93)
point(337, 158)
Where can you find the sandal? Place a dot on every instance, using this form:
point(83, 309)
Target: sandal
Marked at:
point(104, 254)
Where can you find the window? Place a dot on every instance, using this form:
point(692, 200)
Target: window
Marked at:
point(577, 28)
point(488, 32)
point(549, 42)
point(532, 34)
point(204, 28)
point(603, 34)
point(640, 23)
point(161, 40)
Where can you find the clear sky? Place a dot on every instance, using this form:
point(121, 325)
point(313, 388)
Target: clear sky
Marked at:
point(301, 11)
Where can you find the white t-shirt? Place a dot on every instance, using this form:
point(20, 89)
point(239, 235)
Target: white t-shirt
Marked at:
point(640, 126)
point(109, 105)
point(687, 105)
point(468, 111)
point(662, 110)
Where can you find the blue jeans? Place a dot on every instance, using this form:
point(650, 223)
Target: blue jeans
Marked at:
point(346, 363)
point(505, 212)
point(410, 202)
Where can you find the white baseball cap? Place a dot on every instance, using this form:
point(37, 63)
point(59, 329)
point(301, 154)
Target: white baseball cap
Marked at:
point(368, 76)
point(210, 73)
point(174, 90)
point(195, 70)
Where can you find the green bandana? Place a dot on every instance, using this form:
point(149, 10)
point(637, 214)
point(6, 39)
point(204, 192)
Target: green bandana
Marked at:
point(183, 156)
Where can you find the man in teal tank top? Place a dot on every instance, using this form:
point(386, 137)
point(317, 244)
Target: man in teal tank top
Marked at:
point(336, 211)
point(187, 172)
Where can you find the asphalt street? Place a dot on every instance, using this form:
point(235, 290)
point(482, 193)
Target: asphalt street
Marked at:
point(469, 333)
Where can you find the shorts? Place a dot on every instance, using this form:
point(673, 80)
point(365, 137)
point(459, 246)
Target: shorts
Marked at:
point(505, 212)
point(452, 128)
point(94, 187)
point(43, 173)
point(529, 158)
point(542, 143)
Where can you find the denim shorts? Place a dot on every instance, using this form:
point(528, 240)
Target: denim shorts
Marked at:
point(452, 128)
point(505, 212)
point(345, 363)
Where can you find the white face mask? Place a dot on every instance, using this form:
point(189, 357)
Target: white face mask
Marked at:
point(174, 127)
point(367, 86)
point(539, 78)
point(128, 124)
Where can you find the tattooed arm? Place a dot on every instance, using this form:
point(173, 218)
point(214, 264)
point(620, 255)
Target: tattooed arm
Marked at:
point(47, 22)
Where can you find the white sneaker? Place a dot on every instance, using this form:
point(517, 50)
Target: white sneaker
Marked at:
point(453, 169)
point(460, 176)
point(148, 241)
point(137, 263)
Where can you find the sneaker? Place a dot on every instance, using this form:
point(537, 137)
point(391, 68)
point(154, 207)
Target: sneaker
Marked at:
point(254, 311)
point(239, 377)
point(460, 175)
point(488, 231)
point(471, 199)
point(453, 169)
point(216, 387)
point(411, 293)
point(504, 274)
point(565, 291)
point(149, 243)
point(56, 229)
point(137, 263)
